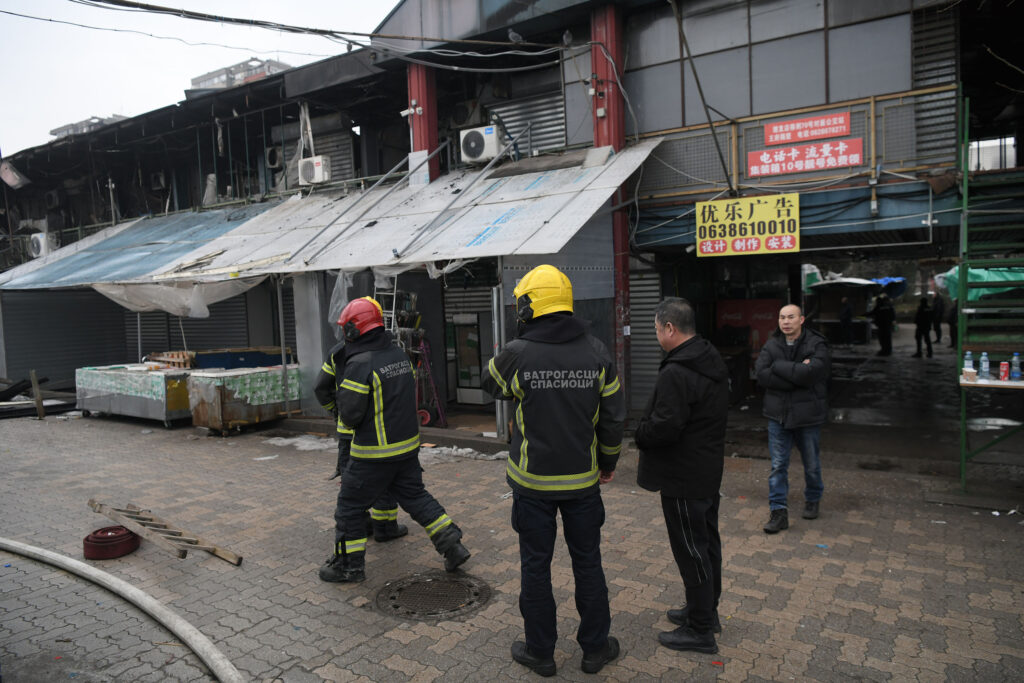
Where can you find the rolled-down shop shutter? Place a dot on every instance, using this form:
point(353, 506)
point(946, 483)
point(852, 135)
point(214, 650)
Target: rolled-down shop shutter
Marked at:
point(55, 332)
point(644, 352)
point(547, 114)
point(226, 328)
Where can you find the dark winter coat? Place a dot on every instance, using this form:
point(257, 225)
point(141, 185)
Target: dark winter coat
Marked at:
point(377, 399)
point(924, 317)
point(569, 408)
point(795, 393)
point(681, 435)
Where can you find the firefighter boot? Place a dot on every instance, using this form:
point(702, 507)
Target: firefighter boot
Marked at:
point(388, 530)
point(447, 541)
point(344, 568)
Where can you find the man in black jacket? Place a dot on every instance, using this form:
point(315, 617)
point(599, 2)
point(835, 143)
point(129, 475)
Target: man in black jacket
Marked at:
point(681, 438)
point(793, 369)
point(566, 439)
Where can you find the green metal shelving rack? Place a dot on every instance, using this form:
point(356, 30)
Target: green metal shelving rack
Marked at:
point(991, 237)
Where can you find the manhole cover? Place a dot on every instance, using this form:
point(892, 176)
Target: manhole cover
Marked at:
point(433, 596)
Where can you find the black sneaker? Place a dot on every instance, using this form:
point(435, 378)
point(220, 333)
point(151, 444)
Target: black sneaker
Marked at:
point(540, 666)
point(685, 638)
point(778, 521)
point(455, 556)
point(595, 661)
point(335, 570)
point(810, 510)
point(681, 617)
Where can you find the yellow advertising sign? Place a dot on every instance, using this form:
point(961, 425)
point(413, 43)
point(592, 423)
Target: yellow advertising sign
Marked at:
point(749, 225)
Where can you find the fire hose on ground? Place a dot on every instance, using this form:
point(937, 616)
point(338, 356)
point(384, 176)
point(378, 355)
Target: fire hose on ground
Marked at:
point(219, 665)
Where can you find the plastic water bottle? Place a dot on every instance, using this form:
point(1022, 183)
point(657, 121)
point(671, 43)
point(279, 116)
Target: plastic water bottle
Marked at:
point(1015, 367)
point(983, 371)
point(968, 361)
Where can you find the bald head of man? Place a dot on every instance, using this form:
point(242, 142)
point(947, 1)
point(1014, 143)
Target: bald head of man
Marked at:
point(791, 321)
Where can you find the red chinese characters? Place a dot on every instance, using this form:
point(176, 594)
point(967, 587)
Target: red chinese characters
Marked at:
point(802, 158)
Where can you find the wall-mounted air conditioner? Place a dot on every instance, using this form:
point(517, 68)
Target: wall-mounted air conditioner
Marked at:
point(480, 144)
point(314, 170)
point(54, 199)
point(466, 113)
point(42, 243)
point(273, 156)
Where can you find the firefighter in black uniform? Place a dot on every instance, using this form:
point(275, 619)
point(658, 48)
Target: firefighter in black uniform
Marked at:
point(566, 438)
point(384, 514)
point(377, 400)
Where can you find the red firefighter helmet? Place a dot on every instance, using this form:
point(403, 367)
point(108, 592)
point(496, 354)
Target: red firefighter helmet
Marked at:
point(360, 316)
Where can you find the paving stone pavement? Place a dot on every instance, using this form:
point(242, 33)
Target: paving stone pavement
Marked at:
point(883, 586)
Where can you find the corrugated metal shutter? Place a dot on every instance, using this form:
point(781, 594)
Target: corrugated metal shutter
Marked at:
point(546, 113)
point(935, 63)
point(155, 337)
point(227, 327)
point(288, 302)
point(54, 333)
point(336, 146)
point(644, 352)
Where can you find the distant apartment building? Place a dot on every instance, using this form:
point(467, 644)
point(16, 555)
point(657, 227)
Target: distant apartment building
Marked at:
point(237, 74)
point(89, 124)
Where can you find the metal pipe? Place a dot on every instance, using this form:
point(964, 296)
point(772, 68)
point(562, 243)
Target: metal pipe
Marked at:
point(219, 664)
point(138, 334)
point(231, 166)
point(369, 208)
point(284, 358)
point(398, 252)
point(245, 136)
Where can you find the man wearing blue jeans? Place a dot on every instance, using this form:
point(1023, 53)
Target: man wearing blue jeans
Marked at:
point(793, 369)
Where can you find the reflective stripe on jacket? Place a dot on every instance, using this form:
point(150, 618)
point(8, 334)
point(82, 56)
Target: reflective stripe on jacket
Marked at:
point(377, 397)
point(326, 386)
point(569, 408)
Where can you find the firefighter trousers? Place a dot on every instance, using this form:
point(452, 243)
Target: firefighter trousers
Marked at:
point(365, 481)
point(384, 509)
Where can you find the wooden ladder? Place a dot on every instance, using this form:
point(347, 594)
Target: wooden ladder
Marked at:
point(163, 534)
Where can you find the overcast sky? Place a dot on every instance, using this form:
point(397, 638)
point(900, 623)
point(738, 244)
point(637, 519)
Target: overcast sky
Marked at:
point(56, 74)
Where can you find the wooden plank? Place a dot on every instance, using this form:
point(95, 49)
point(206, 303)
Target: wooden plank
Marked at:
point(37, 395)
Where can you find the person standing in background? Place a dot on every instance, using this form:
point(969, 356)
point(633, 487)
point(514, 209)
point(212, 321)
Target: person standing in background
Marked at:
point(681, 439)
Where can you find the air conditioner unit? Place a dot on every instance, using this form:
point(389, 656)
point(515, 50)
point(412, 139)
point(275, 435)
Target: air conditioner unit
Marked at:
point(273, 156)
point(42, 243)
point(480, 144)
point(466, 113)
point(53, 199)
point(314, 170)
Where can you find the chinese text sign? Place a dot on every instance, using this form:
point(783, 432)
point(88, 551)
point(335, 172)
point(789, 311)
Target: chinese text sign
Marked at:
point(800, 130)
point(754, 225)
point(800, 158)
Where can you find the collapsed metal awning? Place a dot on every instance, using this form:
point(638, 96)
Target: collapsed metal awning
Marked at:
point(130, 252)
point(530, 213)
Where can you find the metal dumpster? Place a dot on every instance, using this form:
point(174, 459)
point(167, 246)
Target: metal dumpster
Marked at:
point(138, 390)
point(229, 399)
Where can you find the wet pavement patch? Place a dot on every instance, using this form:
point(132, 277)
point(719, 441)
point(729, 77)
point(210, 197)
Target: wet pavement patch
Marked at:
point(879, 465)
point(433, 596)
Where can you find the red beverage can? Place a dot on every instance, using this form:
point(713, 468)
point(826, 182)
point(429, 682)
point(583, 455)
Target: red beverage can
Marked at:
point(1004, 371)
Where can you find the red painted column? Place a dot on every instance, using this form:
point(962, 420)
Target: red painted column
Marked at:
point(606, 31)
point(423, 119)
